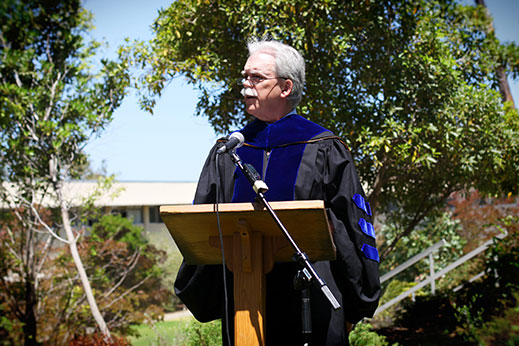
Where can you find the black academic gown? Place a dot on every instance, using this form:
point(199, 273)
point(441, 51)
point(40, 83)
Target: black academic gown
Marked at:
point(298, 160)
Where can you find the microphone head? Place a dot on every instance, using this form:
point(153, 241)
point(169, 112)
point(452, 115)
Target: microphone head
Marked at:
point(239, 136)
point(235, 140)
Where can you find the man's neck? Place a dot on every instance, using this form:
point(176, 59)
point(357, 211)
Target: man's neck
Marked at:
point(293, 111)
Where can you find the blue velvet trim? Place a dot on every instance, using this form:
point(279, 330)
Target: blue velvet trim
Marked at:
point(367, 228)
point(362, 204)
point(289, 129)
point(281, 174)
point(370, 252)
point(243, 191)
point(283, 162)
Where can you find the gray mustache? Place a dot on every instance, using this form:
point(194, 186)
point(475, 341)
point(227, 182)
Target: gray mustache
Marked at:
point(249, 92)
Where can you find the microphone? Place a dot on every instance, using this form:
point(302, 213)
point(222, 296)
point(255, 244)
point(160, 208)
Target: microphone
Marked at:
point(236, 140)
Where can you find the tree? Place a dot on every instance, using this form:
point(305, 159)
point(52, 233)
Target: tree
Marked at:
point(123, 269)
point(53, 100)
point(482, 218)
point(410, 85)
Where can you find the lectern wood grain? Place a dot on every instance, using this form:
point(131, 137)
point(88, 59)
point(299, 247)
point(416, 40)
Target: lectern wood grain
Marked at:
point(303, 219)
point(249, 290)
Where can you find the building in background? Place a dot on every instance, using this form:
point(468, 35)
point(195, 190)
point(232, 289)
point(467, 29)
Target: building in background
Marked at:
point(139, 201)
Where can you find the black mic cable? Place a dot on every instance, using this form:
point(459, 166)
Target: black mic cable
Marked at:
point(225, 318)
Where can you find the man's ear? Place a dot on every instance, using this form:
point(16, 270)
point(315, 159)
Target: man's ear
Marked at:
point(287, 88)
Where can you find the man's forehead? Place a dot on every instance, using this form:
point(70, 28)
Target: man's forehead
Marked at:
point(253, 70)
point(260, 62)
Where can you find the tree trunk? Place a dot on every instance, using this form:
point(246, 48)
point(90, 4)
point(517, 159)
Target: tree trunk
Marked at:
point(374, 196)
point(80, 268)
point(504, 86)
point(29, 323)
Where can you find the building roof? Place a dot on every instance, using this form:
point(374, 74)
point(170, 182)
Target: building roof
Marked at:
point(128, 193)
point(138, 193)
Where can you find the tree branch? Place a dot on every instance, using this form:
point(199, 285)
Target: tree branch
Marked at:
point(129, 290)
point(133, 262)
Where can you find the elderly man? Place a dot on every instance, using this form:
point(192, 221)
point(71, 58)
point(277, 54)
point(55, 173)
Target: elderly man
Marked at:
point(298, 160)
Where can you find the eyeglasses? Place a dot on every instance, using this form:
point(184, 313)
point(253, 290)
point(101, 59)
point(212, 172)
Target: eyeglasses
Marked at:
point(255, 80)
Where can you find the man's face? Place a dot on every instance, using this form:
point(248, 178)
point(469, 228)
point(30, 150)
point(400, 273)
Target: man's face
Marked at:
point(269, 100)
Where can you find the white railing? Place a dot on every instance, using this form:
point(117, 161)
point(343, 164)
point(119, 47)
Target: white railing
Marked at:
point(432, 276)
point(412, 261)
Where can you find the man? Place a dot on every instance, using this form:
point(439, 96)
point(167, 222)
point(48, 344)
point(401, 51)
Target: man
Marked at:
point(298, 160)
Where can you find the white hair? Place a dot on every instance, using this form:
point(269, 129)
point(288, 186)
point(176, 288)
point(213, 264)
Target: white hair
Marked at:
point(289, 64)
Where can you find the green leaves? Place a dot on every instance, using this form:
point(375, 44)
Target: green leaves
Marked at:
point(408, 84)
point(51, 99)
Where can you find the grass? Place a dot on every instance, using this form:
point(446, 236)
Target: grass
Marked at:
point(161, 333)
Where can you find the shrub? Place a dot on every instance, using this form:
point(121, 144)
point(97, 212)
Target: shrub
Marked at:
point(503, 330)
point(97, 340)
point(362, 335)
point(204, 334)
point(393, 290)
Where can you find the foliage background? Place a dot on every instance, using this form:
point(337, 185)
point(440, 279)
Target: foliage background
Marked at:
point(423, 72)
point(411, 86)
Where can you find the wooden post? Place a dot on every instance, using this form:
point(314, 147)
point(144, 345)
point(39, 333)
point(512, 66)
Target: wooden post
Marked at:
point(249, 289)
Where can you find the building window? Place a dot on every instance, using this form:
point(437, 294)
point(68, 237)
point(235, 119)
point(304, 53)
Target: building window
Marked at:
point(155, 214)
point(120, 212)
point(135, 214)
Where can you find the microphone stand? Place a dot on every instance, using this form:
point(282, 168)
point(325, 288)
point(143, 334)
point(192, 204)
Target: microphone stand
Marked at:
point(307, 275)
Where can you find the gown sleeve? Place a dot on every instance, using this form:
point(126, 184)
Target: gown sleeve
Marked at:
point(355, 269)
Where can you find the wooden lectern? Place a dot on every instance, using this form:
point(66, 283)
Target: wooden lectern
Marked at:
point(252, 243)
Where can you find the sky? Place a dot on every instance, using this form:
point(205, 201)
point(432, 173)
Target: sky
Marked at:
point(172, 144)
